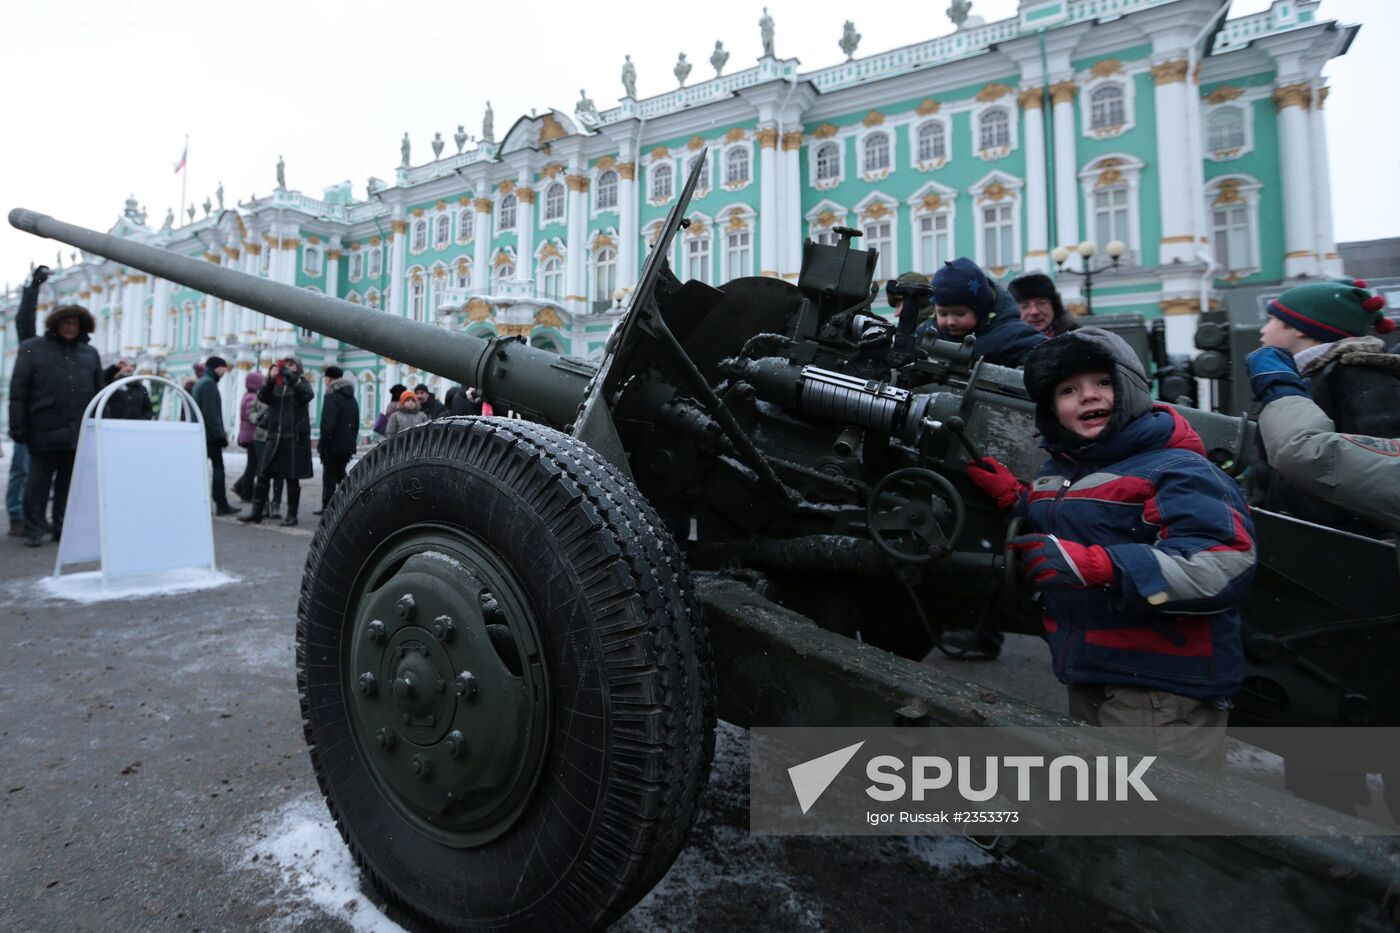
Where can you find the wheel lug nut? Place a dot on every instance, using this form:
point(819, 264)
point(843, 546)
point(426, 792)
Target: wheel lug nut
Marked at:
point(375, 631)
point(366, 685)
point(385, 738)
point(443, 628)
point(421, 765)
point(403, 686)
point(465, 684)
point(407, 606)
point(456, 743)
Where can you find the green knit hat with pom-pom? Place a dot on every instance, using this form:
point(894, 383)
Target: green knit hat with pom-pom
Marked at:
point(1332, 310)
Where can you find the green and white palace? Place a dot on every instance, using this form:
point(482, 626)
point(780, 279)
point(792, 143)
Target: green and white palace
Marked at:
point(1196, 139)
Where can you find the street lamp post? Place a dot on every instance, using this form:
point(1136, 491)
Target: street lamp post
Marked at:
point(1115, 250)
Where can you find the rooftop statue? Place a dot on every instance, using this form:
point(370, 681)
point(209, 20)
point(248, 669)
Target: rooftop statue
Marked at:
point(190, 212)
point(460, 137)
point(437, 146)
point(958, 10)
point(849, 40)
point(765, 28)
point(718, 58)
point(219, 195)
point(208, 207)
point(169, 218)
point(488, 124)
point(682, 69)
point(405, 148)
point(281, 174)
point(586, 110)
point(629, 77)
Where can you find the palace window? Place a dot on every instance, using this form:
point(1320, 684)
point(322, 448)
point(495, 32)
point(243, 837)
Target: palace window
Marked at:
point(876, 149)
point(376, 263)
point(1106, 107)
point(933, 145)
point(738, 253)
point(463, 277)
point(994, 130)
point(605, 197)
point(418, 300)
point(828, 162)
point(554, 202)
point(998, 236)
point(605, 273)
point(372, 299)
point(697, 258)
point(311, 262)
point(444, 232)
point(464, 225)
point(552, 278)
point(702, 181)
point(1225, 129)
point(736, 166)
point(879, 235)
point(661, 181)
point(1234, 247)
point(357, 266)
point(506, 216)
point(420, 236)
point(935, 243)
point(1111, 219)
point(505, 270)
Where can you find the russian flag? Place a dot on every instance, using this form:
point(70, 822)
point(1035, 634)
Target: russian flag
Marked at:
point(181, 164)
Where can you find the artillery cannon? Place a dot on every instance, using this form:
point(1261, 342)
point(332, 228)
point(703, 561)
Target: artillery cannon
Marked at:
point(514, 636)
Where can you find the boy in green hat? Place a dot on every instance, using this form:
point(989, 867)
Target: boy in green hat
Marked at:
point(1329, 329)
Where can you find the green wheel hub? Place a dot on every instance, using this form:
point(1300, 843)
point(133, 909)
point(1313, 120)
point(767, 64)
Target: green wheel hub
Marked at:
point(447, 693)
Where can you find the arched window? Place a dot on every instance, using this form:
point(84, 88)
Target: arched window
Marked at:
point(994, 129)
point(1106, 107)
point(736, 166)
point(357, 266)
point(605, 193)
point(505, 219)
point(420, 235)
point(702, 183)
point(376, 263)
point(1225, 129)
point(418, 299)
point(552, 278)
point(554, 202)
point(464, 225)
point(877, 152)
point(505, 270)
point(444, 232)
point(605, 273)
point(311, 262)
point(353, 298)
point(933, 146)
point(828, 162)
point(463, 278)
point(372, 298)
point(661, 179)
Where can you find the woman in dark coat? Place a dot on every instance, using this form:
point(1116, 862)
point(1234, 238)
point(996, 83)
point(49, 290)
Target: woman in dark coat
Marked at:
point(287, 451)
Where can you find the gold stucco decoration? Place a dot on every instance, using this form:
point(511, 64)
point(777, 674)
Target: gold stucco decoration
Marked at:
point(478, 310)
point(627, 170)
point(876, 211)
point(734, 135)
point(417, 212)
point(660, 152)
point(603, 240)
point(1170, 72)
point(874, 118)
point(1109, 66)
point(482, 205)
point(996, 191)
point(1226, 92)
point(605, 163)
point(792, 139)
point(576, 182)
point(1062, 92)
point(1032, 98)
point(736, 222)
point(826, 218)
point(768, 137)
point(1293, 95)
point(548, 317)
point(927, 107)
point(1228, 192)
point(552, 170)
point(932, 202)
point(994, 91)
point(501, 259)
point(526, 195)
point(825, 131)
point(548, 250)
point(1171, 306)
point(550, 129)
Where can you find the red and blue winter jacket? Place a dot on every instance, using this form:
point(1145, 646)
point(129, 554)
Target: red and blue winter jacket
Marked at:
point(1182, 544)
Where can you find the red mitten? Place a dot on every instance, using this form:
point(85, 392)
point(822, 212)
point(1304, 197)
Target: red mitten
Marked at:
point(1048, 562)
point(992, 477)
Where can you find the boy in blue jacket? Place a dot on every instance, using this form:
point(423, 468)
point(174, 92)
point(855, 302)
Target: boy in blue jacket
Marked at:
point(1142, 548)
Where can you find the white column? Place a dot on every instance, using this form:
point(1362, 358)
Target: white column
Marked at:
point(481, 257)
point(790, 228)
point(768, 234)
point(398, 287)
point(1066, 166)
point(330, 344)
point(525, 230)
point(1326, 248)
point(160, 313)
point(1178, 241)
point(576, 264)
point(133, 312)
point(627, 251)
point(247, 317)
point(1299, 232)
point(1037, 204)
point(229, 319)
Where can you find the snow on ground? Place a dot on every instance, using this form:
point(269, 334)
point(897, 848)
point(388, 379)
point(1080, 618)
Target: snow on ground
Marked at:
point(312, 868)
point(90, 587)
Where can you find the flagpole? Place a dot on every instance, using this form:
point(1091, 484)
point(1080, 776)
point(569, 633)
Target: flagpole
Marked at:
point(184, 177)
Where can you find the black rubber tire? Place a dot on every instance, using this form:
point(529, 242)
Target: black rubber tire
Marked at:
point(619, 790)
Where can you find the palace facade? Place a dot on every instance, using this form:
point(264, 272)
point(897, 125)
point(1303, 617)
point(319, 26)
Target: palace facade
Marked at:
point(1196, 140)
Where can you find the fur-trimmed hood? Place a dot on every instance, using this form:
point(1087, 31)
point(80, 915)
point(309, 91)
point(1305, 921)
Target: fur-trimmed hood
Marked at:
point(343, 382)
point(86, 323)
point(1355, 351)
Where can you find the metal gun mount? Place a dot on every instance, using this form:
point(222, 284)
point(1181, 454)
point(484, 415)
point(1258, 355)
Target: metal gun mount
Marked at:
point(513, 636)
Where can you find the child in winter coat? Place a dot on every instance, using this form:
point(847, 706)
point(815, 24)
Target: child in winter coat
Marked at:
point(1142, 548)
point(966, 302)
point(407, 415)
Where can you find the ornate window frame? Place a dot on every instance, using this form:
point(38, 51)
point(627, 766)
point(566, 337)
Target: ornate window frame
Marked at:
point(462, 272)
point(373, 260)
point(1226, 190)
point(551, 251)
point(552, 189)
point(507, 212)
point(814, 160)
point(1245, 109)
point(878, 207)
point(357, 264)
point(868, 172)
point(1124, 82)
point(916, 128)
point(703, 185)
point(309, 269)
point(701, 230)
point(599, 186)
point(602, 241)
point(373, 298)
point(466, 224)
point(733, 219)
point(979, 112)
point(418, 236)
point(1113, 170)
point(823, 216)
point(997, 187)
point(501, 257)
point(744, 146)
point(654, 168)
point(932, 199)
point(442, 231)
point(417, 280)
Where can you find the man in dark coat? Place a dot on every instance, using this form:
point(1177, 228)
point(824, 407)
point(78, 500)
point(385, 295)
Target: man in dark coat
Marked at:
point(287, 450)
point(55, 377)
point(340, 431)
point(428, 403)
point(966, 302)
point(19, 459)
point(211, 408)
point(462, 400)
point(131, 402)
point(1041, 305)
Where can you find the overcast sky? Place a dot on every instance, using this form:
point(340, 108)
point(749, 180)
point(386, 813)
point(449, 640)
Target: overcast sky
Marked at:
point(100, 94)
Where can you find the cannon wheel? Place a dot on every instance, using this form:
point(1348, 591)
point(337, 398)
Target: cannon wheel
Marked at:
point(505, 679)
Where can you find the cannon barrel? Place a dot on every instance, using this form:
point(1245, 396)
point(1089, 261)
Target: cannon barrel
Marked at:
point(515, 376)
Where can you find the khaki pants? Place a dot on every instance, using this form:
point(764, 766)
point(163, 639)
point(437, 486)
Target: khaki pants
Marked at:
point(1177, 725)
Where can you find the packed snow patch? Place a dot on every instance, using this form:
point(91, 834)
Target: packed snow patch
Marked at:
point(313, 866)
point(90, 587)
